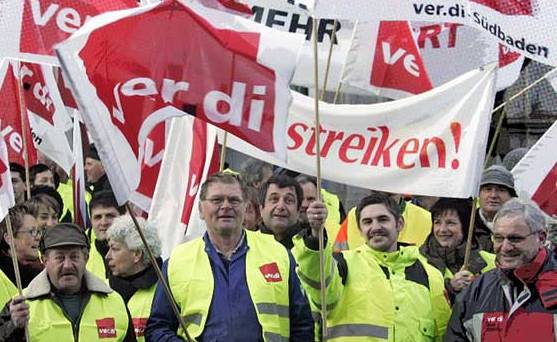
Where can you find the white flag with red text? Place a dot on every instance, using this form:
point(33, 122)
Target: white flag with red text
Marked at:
point(30, 28)
point(7, 199)
point(525, 26)
point(384, 59)
point(429, 144)
point(190, 156)
point(125, 92)
point(535, 174)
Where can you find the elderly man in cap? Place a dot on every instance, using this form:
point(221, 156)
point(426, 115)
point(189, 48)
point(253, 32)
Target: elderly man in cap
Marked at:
point(516, 301)
point(496, 188)
point(65, 302)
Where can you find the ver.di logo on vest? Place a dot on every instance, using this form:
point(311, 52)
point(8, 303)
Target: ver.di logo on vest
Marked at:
point(271, 272)
point(106, 327)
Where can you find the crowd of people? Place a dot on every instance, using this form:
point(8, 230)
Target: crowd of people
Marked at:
point(395, 269)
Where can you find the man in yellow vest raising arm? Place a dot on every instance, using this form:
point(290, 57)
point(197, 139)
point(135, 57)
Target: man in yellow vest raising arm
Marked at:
point(232, 284)
point(382, 290)
point(65, 302)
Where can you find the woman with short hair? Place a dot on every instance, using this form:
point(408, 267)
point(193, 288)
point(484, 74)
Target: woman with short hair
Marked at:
point(131, 273)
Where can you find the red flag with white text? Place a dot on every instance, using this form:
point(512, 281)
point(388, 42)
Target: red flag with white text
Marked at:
point(11, 118)
point(30, 28)
point(536, 173)
point(222, 68)
point(384, 58)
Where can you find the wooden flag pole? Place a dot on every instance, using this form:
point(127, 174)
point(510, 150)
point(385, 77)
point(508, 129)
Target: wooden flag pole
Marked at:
point(23, 130)
point(469, 240)
point(223, 151)
point(15, 265)
point(329, 57)
point(158, 271)
point(318, 174)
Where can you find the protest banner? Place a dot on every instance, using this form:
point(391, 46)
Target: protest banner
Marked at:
point(243, 88)
point(429, 144)
point(527, 27)
point(536, 173)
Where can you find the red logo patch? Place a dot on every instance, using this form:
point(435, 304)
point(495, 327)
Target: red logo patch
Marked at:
point(271, 272)
point(139, 325)
point(106, 327)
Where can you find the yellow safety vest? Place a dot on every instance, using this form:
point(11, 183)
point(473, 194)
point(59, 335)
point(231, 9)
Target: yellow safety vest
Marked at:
point(332, 224)
point(66, 192)
point(7, 289)
point(267, 273)
point(104, 318)
point(95, 264)
point(489, 259)
point(140, 309)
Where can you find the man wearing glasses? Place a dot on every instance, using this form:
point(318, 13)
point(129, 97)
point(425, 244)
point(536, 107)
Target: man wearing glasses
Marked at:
point(517, 301)
point(232, 284)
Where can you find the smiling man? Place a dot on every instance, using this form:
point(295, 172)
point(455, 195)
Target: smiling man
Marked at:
point(65, 302)
point(382, 290)
point(232, 284)
point(496, 188)
point(516, 301)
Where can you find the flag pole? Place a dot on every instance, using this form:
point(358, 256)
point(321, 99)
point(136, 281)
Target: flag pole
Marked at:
point(158, 271)
point(23, 130)
point(469, 240)
point(318, 174)
point(328, 66)
point(223, 151)
point(15, 265)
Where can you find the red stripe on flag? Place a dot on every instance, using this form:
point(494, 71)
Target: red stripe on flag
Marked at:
point(546, 194)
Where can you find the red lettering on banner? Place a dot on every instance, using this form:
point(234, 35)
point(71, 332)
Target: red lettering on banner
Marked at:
point(432, 32)
point(377, 147)
point(47, 22)
point(36, 93)
point(230, 89)
point(271, 272)
point(106, 327)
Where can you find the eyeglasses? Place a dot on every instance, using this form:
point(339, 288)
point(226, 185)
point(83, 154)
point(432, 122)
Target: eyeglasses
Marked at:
point(34, 232)
point(513, 239)
point(219, 200)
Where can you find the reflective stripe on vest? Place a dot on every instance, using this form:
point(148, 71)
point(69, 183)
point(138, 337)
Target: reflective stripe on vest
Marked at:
point(104, 318)
point(348, 330)
point(140, 309)
point(192, 284)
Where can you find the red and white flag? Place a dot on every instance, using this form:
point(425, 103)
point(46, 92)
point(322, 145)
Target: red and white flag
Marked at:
point(535, 174)
point(131, 70)
point(190, 156)
point(30, 28)
point(7, 199)
point(11, 118)
point(384, 58)
point(78, 177)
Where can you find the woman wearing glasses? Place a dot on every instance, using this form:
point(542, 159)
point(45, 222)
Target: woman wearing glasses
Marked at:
point(445, 246)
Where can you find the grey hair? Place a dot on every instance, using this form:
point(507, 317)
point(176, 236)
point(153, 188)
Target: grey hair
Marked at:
point(252, 171)
point(123, 231)
point(529, 210)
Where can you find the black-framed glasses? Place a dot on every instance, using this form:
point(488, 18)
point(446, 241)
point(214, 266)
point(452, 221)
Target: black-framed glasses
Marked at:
point(513, 239)
point(34, 232)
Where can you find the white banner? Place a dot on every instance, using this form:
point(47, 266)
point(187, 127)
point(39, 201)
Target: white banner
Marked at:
point(429, 144)
point(526, 26)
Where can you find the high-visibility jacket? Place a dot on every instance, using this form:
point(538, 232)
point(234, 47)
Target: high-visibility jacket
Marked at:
point(139, 306)
point(103, 316)
point(417, 226)
point(488, 258)
point(332, 202)
point(7, 289)
point(66, 192)
point(394, 296)
point(95, 264)
point(190, 278)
